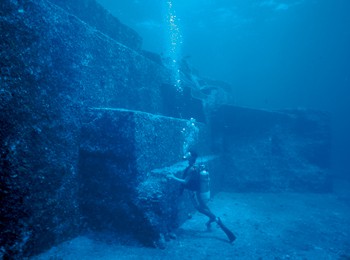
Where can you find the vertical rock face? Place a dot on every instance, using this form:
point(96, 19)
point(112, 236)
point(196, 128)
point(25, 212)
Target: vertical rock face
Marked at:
point(97, 17)
point(120, 188)
point(52, 50)
point(273, 151)
point(68, 161)
point(39, 133)
point(54, 67)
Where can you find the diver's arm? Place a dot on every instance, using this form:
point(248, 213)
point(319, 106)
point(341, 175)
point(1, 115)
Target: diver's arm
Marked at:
point(172, 176)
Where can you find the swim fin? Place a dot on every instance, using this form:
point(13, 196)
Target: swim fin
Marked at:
point(229, 234)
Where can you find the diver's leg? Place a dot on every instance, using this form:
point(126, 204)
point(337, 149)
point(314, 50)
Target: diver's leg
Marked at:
point(210, 214)
point(194, 199)
point(231, 237)
point(206, 211)
point(203, 208)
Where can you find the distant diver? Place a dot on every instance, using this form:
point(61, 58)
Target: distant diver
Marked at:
point(196, 179)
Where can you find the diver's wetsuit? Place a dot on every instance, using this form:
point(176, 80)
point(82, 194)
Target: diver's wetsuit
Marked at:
point(192, 182)
point(197, 181)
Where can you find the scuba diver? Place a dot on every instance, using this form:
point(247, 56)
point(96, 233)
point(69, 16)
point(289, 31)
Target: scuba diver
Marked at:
point(196, 179)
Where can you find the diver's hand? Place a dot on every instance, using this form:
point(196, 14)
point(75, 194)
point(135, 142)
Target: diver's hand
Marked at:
point(170, 176)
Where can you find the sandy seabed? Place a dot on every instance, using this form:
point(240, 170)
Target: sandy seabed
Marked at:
point(267, 226)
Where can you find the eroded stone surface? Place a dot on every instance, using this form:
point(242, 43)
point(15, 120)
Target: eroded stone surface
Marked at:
point(55, 68)
point(273, 150)
point(124, 159)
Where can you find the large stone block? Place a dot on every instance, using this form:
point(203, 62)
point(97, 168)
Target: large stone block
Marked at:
point(96, 16)
point(273, 151)
point(54, 66)
point(53, 51)
point(121, 188)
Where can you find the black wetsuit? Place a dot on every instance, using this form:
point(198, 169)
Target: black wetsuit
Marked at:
point(192, 179)
point(192, 182)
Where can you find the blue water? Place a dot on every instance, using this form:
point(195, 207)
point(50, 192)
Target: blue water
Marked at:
point(275, 54)
point(89, 147)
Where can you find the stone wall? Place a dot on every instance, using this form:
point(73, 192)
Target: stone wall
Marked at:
point(54, 67)
point(120, 189)
point(71, 96)
point(273, 151)
point(97, 17)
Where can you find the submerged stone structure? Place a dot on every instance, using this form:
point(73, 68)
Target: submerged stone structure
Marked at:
point(90, 124)
point(273, 151)
point(125, 156)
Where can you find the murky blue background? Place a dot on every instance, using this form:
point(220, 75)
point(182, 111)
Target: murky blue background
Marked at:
point(276, 54)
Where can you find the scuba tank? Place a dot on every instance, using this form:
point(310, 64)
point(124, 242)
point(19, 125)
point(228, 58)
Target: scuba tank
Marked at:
point(204, 184)
point(204, 194)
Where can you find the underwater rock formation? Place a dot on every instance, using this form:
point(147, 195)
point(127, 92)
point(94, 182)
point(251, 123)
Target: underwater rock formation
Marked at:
point(273, 151)
point(53, 68)
point(124, 158)
point(70, 163)
point(97, 17)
